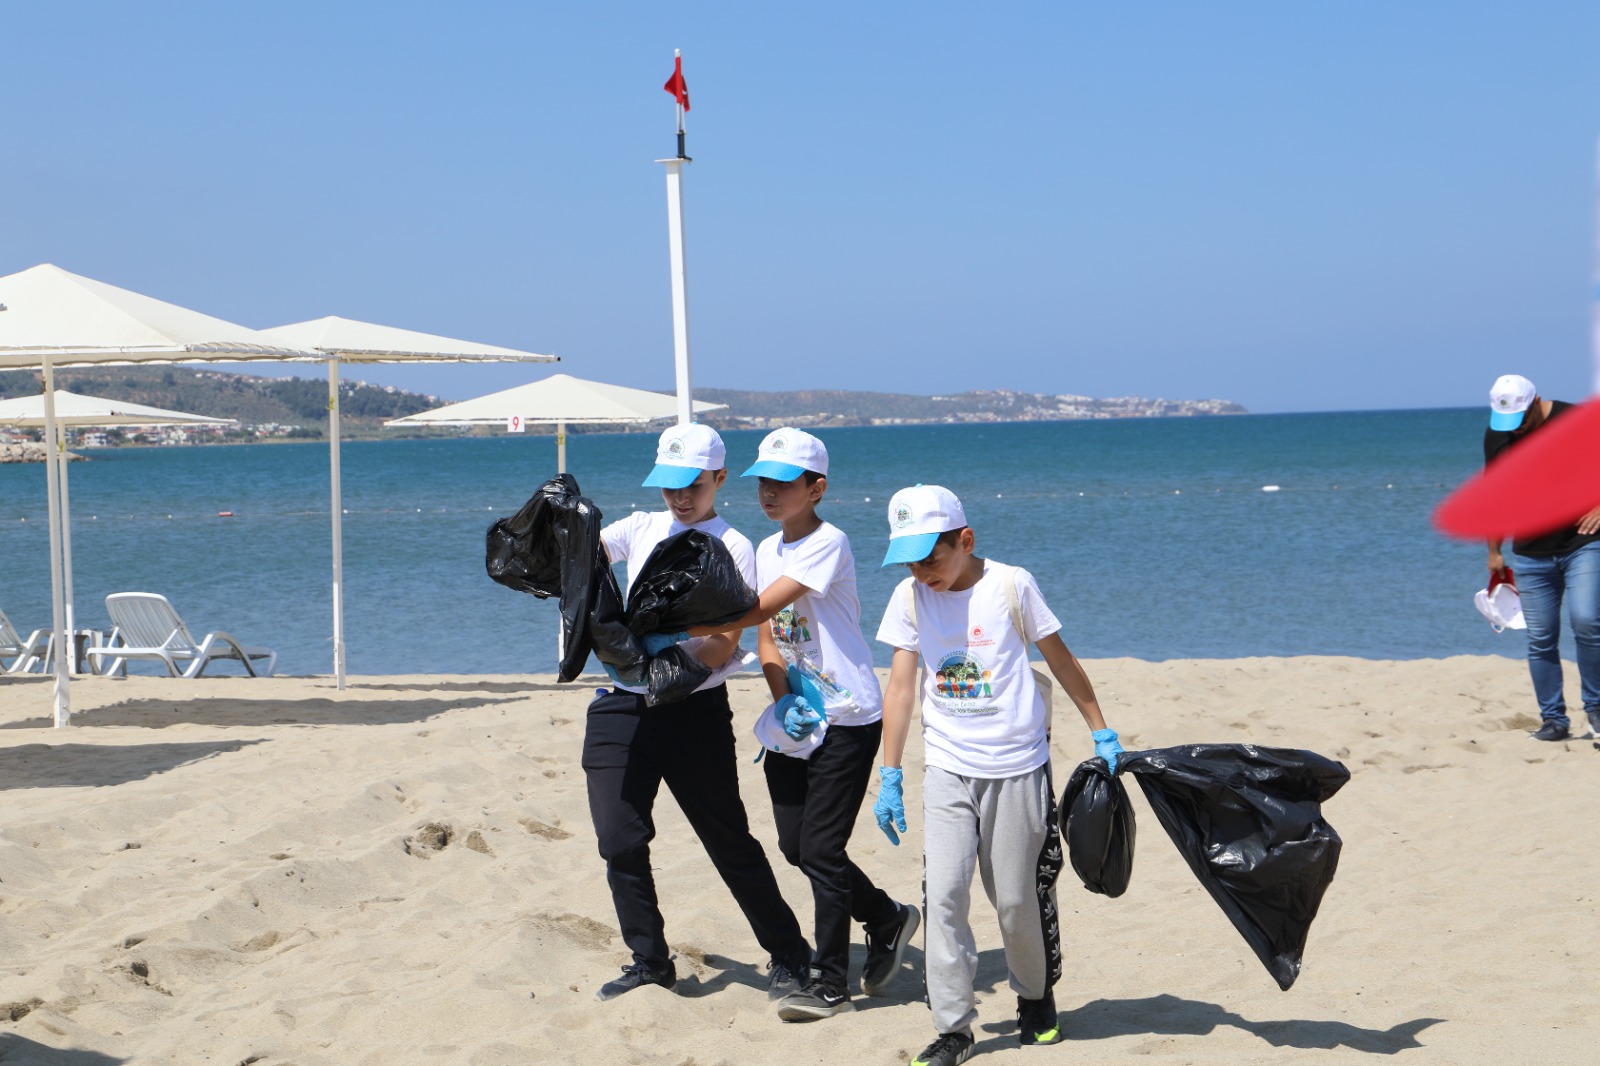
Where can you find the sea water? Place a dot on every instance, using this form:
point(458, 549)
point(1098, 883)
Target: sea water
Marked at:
point(1154, 538)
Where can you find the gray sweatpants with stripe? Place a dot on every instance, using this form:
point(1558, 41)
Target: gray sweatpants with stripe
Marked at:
point(1006, 829)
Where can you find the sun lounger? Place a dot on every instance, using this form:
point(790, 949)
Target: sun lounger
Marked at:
point(25, 655)
point(145, 626)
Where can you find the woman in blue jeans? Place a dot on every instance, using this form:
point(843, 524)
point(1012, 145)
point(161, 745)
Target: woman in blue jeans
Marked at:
point(1563, 564)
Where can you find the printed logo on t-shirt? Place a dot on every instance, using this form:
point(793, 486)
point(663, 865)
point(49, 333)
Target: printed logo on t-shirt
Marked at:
point(790, 628)
point(962, 684)
point(791, 631)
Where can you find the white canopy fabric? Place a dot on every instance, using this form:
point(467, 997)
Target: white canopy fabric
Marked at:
point(52, 318)
point(72, 409)
point(347, 340)
point(558, 398)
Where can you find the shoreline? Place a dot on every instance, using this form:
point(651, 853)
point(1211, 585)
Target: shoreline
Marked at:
point(405, 871)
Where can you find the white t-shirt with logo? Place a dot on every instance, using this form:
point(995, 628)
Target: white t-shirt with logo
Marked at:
point(632, 539)
point(982, 714)
point(819, 634)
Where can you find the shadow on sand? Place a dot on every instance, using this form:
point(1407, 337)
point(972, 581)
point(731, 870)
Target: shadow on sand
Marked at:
point(20, 1049)
point(231, 711)
point(80, 765)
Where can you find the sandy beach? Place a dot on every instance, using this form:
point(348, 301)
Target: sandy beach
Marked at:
point(272, 871)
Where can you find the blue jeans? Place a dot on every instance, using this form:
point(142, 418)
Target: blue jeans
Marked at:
point(1540, 584)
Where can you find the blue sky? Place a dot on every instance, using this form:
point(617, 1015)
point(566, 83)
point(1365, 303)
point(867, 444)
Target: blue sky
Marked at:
point(1302, 206)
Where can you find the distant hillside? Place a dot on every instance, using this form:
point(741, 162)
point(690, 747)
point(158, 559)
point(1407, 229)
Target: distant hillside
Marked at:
point(254, 401)
point(301, 404)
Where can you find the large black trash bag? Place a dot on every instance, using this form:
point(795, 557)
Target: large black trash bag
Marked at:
point(672, 675)
point(1097, 820)
point(1249, 823)
point(690, 579)
point(522, 552)
point(551, 547)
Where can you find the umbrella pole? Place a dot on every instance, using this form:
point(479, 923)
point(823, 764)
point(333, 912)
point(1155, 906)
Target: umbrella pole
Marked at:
point(338, 523)
point(66, 540)
point(58, 610)
point(561, 446)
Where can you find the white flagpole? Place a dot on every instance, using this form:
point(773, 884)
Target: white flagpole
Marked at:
point(1594, 297)
point(680, 281)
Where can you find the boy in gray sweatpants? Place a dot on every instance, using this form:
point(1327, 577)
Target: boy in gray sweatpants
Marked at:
point(987, 797)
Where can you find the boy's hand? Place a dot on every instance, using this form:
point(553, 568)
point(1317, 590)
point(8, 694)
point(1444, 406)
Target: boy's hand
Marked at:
point(891, 806)
point(656, 643)
point(1107, 746)
point(799, 720)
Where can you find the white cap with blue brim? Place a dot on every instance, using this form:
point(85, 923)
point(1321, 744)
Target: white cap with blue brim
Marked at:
point(787, 453)
point(917, 516)
point(1509, 400)
point(684, 451)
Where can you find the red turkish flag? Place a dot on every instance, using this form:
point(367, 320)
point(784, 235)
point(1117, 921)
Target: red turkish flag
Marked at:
point(676, 85)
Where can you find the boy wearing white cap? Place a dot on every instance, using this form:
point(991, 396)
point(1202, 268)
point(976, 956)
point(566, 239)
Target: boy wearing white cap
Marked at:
point(629, 751)
point(1563, 563)
point(987, 797)
point(817, 663)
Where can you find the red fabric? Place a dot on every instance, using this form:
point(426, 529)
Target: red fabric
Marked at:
point(1547, 481)
point(676, 85)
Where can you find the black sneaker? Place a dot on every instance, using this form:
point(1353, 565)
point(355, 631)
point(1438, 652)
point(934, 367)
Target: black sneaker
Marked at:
point(886, 949)
point(787, 975)
point(951, 1049)
point(632, 977)
point(1550, 731)
point(818, 999)
point(1037, 1022)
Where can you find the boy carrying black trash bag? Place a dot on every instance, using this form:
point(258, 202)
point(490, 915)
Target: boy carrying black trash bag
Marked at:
point(818, 666)
point(988, 801)
point(630, 749)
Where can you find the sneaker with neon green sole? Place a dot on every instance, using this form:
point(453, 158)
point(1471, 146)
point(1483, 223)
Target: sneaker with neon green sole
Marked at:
point(1037, 1022)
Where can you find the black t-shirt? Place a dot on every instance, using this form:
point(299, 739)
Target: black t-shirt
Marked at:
point(1562, 540)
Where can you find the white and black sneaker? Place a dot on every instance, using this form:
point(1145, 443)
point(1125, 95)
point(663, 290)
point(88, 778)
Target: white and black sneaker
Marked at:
point(818, 999)
point(886, 949)
point(636, 975)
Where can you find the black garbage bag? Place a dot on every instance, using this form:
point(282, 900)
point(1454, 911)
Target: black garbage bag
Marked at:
point(551, 547)
point(522, 552)
point(1097, 821)
point(690, 579)
point(672, 675)
point(1248, 821)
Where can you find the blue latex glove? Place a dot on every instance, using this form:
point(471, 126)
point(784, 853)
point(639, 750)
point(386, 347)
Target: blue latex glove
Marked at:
point(891, 805)
point(656, 643)
point(1107, 746)
point(799, 720)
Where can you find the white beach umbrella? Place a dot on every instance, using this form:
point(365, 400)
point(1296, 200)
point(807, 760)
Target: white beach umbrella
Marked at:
point(78, 412)
point(558, 399)
point(346, 340)
point(51, 318)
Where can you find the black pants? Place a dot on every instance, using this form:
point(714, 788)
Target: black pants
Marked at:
point(628, 751)
point(815, 802)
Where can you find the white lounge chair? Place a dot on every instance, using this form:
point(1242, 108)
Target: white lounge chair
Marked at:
point(145, 626)
point(25, 655)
